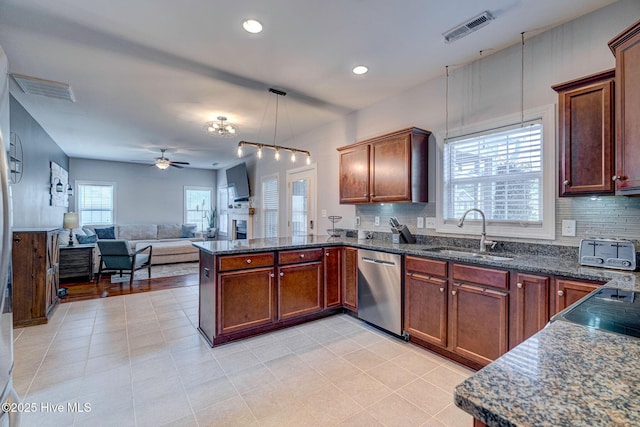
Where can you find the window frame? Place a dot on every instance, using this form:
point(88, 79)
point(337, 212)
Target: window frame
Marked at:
point(79, 183)
point(204, 222)
point(263, 179)
point(544, 230)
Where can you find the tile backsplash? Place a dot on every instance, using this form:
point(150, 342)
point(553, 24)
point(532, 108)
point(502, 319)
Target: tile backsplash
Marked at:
point(611, 216)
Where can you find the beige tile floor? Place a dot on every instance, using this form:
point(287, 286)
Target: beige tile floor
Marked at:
point(138, 360)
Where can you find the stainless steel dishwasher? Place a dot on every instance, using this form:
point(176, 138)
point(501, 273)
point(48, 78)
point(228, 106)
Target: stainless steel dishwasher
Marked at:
point(380, 289)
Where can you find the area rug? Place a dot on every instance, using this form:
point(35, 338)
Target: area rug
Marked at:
point(162, 270)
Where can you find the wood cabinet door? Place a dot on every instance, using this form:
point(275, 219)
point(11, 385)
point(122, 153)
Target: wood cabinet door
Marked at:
point(586, 135)
point(300, 289)
point(247, 299)
point(350, 279)
point(479, 322)
point(529, 307)
point(332, 277)
point(568, 291)
point(626, 47)
point(354, 174)
point(391, 169)
point(425, 308)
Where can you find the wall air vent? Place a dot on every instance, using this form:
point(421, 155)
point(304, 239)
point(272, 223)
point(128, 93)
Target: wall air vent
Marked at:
point(468, 27)
point(36, 86)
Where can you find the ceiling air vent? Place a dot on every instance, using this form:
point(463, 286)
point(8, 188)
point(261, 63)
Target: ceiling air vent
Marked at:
point(36, 86)
point(468, 27)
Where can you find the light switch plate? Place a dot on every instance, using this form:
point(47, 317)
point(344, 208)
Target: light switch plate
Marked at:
point(357, 221)
point(430, 222)
point(323, 213)
point(376, 221)
point(420, 222)
point(568, 227)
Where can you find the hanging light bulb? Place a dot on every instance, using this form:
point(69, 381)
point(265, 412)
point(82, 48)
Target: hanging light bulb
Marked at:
point(260, 152)
point(308, 159)
point(277, 155)
point(240, 150)
point(293, 157)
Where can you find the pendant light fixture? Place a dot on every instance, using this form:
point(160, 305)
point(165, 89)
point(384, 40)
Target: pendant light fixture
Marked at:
point(222, 128)
point(274, 147)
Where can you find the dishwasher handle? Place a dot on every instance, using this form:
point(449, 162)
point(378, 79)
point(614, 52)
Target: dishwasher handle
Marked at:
point(378, 261)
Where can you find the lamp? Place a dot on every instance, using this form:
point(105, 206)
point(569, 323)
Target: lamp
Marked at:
point(221, 128)
point(69, 190)
point(59, 186)
point(274, 147)
point(70, 221)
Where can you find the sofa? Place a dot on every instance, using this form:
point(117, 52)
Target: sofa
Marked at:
point(168, 245)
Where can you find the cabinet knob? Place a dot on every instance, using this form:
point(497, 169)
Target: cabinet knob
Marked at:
point(442, 290)
point(301, 255)
point(249, 261)
point(560, 293)
point(327, 254)
point(453, 292)
point(565, 182)
point(272, 275)
point(281, 274)
point(519, 285)
point(618, 178)
point(365, 194)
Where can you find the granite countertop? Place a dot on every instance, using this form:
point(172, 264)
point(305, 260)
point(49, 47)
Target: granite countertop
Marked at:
point(566, 374)
point(538, 262)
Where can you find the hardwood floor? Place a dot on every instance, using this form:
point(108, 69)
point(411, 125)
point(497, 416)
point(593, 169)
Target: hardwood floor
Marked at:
point(79, 291)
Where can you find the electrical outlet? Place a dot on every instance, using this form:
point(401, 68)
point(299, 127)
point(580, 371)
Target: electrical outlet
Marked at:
point(430, 222)
point(357, 221)
point(568, 227)
point(323, 213)
point(420, 222)
point(376, 221)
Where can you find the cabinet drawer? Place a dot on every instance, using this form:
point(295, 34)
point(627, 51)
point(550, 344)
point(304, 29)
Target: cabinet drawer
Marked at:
point(481, 276)
point(239, 262)
point(429, 267)
point(297, 256)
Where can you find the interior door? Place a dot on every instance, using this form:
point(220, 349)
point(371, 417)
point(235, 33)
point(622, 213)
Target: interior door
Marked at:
point(301, 202)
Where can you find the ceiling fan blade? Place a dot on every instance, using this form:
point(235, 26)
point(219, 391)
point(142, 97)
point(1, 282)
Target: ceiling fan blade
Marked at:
point(176, 166)
point(180, 163)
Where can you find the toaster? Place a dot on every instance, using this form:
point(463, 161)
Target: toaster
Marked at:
point(608, 253)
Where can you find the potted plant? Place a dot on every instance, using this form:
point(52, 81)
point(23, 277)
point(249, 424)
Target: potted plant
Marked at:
point(212, 231)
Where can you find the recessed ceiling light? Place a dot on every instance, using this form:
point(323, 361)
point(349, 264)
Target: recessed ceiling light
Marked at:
point(252, 26)
point(360, 69)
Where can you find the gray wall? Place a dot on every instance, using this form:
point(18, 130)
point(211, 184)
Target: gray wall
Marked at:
point(31, 195)
point(488, 88)
point(143, 194)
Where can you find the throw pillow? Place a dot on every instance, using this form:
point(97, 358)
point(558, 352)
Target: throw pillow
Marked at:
point(86, 239)
point(188, 230)
point(106, 233)
point(88, 231)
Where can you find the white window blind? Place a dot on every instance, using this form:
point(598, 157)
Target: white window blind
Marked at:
point(95, 204)
point(198, 206)
point(270, 206)
point(499, 172)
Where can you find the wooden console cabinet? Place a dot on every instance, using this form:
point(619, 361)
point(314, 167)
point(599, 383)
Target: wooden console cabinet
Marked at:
point(388, 168)
point(76, 262)
point(35, 275)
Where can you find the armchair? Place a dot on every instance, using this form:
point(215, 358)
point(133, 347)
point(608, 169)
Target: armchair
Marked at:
point(116, 255)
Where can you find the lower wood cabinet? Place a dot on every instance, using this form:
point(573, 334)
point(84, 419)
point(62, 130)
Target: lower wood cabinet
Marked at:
point(300, 290)
point(350, 279)
point(425, 302)
point(529, 308)
point(332, 277)
point(247, 299)
point(479, 322)
point(35, 257)
point(568, 291)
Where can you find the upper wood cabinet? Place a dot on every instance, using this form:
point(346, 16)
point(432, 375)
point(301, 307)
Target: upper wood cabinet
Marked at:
point(626, 48)
point(388, 168)
point(586, 135)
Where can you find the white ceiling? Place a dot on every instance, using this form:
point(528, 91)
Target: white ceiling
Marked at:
point(147, 74)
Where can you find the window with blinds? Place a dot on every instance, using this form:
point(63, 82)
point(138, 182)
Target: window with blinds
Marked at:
point(270, 206)
point(95, 203)
point(499, 172)
point(198, 206)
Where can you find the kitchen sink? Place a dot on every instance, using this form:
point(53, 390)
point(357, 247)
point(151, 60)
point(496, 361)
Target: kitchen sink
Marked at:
point(474, 255)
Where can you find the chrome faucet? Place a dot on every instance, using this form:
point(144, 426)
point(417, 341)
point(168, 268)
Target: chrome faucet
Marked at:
point(483, 238)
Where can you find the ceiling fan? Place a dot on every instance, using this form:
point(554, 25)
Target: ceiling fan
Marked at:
point(162, 162)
